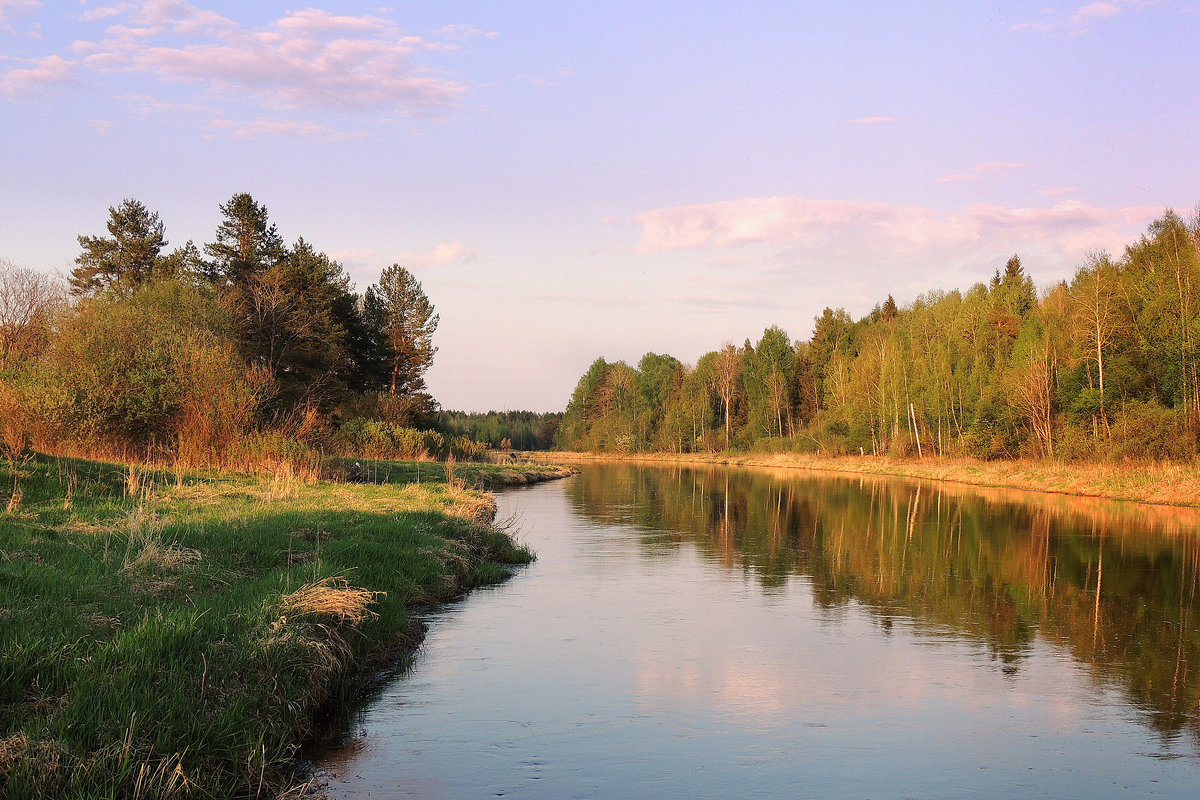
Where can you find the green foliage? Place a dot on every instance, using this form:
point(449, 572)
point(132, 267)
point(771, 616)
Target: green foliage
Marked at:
point(522, 430)
point(407, 325)
point(373, 438)
point(125, 259)
point(247, 243)
point(269, 331)
point(147, 370)
point(1105, 367)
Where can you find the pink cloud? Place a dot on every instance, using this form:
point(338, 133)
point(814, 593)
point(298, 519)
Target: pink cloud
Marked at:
point(1092, 12)
point(461, 33)
point(11, 10)
point(886, 230)
point(47, 71)
point(286, 128)
point(103, 12)
point(1099, 10)
point(308, 59)
point(444, 254)
point(870, 120)
point(984, 169)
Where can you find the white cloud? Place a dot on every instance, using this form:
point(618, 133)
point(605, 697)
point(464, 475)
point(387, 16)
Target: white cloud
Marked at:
point(45, 72)
point(984, 169)
point(307, 59)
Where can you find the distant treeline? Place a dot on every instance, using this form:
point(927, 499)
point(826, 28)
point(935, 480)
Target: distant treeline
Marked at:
point(248, 344)
point(1105, 366)
point(518, 430)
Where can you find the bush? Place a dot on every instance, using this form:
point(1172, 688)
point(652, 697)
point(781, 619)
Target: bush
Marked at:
point(376, 439)
point(1148, 431)
point(158, 370)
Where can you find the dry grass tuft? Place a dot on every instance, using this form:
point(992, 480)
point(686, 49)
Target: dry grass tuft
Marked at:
point(161, 779)
point(165, 557)
point(455, 555)
point(146, 550)
point(20, 749)
point(334, 598)
point(472, 505)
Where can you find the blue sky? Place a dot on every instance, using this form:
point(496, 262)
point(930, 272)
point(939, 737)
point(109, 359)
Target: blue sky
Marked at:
point(570, 180)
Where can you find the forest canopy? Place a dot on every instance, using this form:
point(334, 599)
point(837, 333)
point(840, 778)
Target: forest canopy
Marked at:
point(1106, 365)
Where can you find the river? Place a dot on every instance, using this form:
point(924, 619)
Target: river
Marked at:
point(714, 632)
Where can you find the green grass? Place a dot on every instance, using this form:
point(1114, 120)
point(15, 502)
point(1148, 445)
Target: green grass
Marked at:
point(146, 645)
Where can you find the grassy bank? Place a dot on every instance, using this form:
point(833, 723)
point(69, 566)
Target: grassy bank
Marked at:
point(175, 634)
point(1160, 483)
point(474, 474)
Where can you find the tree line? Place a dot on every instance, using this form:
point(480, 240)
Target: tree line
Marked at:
point(1106, 365)
point(187, 351)
point(517, 430)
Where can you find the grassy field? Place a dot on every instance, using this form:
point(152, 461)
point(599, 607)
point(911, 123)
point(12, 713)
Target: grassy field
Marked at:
point(1158, 483)
point(177, 633)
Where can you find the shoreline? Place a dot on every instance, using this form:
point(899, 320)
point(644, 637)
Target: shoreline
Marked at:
point(1165, 484)
point(236, 611)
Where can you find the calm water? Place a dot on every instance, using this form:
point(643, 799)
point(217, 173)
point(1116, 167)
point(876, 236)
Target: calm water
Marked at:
point(728, 633)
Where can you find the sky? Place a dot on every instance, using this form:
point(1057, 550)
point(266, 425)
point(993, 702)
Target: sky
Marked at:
point(575, 180)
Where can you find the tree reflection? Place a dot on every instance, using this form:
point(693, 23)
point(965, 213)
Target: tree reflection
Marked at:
point(1114, 585)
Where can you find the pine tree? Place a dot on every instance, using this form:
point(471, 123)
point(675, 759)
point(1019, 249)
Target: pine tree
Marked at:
point(124, 260)
point(409, 322)
point(247, 243)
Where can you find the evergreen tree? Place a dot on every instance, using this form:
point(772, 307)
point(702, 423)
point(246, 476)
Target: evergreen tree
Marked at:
point(126, 258)
point(408, 323)
point(889, 311)
point(247, 242)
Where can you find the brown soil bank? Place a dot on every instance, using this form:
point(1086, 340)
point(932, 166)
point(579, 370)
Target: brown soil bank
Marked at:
point(1165, 483)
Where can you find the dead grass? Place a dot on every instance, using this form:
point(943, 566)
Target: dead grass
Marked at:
point(157, 556)
point(1163, 483)
point(20, 749)
point(333, 598)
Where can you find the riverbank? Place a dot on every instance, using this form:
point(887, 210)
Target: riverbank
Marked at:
point(1161, 484)
point(177, 633)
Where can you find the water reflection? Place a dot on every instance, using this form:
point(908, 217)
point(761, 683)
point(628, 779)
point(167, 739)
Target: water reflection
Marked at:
point(1114, 585)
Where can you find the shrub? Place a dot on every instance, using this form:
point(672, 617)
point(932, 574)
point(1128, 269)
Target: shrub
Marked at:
point(1148, 431)
point(158, 370)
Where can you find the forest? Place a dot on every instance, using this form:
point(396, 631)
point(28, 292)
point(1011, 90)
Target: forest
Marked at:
point(242, 352)
point(1103, 367)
